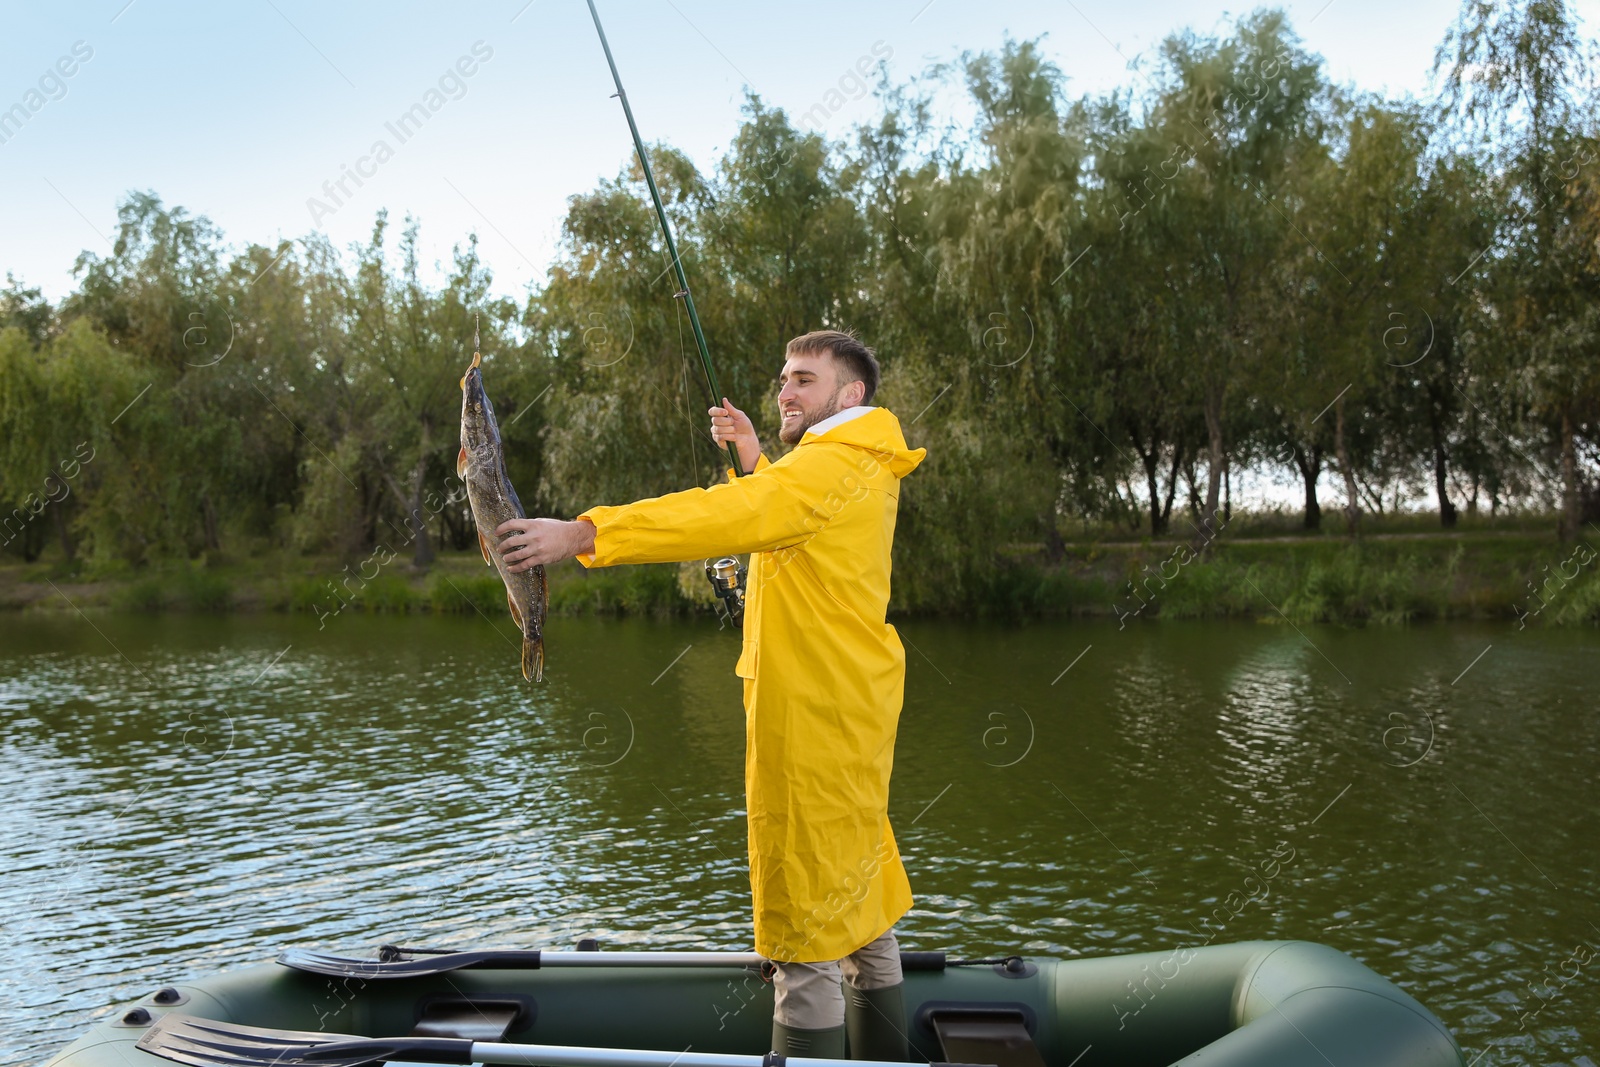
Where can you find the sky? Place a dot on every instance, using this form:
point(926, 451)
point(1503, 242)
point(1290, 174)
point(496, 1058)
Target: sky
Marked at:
point(252, 112)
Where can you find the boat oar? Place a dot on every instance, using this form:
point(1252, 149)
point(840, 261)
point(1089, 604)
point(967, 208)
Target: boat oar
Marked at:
point(392, 961)
point(390, 965)
point(206, 1043)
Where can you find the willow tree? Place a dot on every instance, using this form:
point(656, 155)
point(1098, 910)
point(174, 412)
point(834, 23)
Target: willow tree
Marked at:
point(1010, 223)
point(786, 242)
point(772, 245)
point(409, 346)
point(1245, 110)
point(159, 298)
point(1129, 330)
point(1519, 72)
point(618, 424)
point(1434, 368)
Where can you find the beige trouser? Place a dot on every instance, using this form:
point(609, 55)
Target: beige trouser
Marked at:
point(808, 995)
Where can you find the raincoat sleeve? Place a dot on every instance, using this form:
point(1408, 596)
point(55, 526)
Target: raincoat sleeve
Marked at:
point(776, 506)
point(761, 464)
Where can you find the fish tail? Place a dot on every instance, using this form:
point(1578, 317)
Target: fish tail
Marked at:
point(533, 658)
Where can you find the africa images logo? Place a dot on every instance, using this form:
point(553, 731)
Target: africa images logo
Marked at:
point(452, 85)
point(52, 85)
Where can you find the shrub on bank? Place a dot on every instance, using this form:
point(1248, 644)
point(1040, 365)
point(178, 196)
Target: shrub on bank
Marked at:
point(641, 590)
point(1580, 607)
point(185, 589)
point(144, 594)
point(200, 590)
point(467, 595)
point(305, 594)
point(387, 593)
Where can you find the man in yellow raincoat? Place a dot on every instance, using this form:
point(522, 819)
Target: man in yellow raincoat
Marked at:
point(824, 677)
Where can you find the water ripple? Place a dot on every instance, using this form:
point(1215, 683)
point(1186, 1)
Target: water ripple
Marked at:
point(251, 783)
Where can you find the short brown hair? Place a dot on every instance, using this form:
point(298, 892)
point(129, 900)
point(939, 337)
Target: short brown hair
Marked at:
point(856, 362)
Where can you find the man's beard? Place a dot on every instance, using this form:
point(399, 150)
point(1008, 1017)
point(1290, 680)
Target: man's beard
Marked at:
point(791, 434)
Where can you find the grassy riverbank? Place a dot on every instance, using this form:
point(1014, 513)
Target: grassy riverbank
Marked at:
point(1392, 575)
point(457, 583)
point(1379, 581)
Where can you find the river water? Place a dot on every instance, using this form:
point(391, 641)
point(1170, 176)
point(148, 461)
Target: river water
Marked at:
point(186, 794)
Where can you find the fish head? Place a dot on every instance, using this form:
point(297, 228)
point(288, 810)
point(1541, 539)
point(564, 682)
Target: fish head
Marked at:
point(479, 431)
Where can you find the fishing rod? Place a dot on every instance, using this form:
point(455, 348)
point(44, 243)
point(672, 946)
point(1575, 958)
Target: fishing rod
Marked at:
point(666, 231)
point(727, 575)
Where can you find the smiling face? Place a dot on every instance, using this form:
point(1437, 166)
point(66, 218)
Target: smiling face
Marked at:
point(809, 391)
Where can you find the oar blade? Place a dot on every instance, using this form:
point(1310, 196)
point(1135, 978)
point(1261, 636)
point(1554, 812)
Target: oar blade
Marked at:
point(314, 962)
point(347, 967)
point(207, 1043)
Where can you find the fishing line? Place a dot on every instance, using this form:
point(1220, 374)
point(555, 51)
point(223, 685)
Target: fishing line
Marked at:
point(682, 408)
point(683, 375)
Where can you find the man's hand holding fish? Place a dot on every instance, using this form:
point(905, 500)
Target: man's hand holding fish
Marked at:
point(526, 543)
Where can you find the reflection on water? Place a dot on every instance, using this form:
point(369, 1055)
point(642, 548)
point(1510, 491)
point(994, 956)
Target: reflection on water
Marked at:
point(185, 795)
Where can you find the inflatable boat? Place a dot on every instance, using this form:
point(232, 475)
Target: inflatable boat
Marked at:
point(1251, 1004)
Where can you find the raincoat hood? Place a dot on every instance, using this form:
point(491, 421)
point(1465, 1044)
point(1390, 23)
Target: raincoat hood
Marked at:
point(877, 431)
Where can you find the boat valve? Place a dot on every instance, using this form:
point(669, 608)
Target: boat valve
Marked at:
point(727, 582)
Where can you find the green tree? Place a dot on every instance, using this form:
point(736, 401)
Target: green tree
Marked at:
point(1249, 108)
point(27, 310)
point(1519, 72)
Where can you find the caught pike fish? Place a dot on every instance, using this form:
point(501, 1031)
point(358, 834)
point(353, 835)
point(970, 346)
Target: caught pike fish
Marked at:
point(482, 465)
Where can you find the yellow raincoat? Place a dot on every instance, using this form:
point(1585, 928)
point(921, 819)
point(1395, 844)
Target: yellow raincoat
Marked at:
point(823, 673)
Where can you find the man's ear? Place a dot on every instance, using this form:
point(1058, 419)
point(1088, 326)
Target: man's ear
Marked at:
point(854, 392)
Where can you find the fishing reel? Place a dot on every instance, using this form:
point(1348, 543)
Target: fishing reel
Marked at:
point(727, 582)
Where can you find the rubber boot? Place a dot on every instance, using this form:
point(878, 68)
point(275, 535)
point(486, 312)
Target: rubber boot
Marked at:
point(876, 1022)
point(816, 1044)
